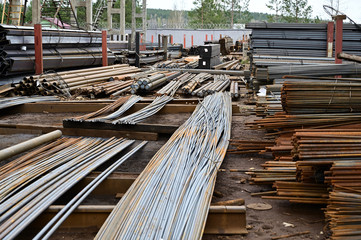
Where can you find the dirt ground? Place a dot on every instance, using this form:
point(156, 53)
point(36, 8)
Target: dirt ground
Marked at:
point(261, 224)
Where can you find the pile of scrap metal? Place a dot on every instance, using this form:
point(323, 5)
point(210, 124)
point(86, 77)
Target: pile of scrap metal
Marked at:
point(99, 81)
point(299, 39)
point(62, 48)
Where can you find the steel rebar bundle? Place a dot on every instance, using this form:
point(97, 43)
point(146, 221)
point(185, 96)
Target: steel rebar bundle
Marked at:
point(128, 104)
point(153, 81)
point(14, 101)
point(105, 110)
point(34, 185)
point(171, 88)
point(90, 81)
point(61, 216)
point(171, 197)
point(219, 84)
point(145, 112)
point(321, 97)
point(195, 81)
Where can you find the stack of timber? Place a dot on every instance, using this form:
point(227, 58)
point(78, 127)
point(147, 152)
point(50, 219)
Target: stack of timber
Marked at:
point(62, 48)
point(95, 81)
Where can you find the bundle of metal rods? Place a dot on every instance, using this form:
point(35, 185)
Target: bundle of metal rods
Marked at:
point(53, 171)
point(62, 48)
point(103, 111)
point(299, 192)
point(107, 88)
point(70, 81)
point(230, 65)
point(234, 89)
point(14, 101)
point(248, 146)
point(282, 121)
point(171, 197)
point(219, 84)
point(171, 88)
point(195, 81)
point(327, 145)
point(155, 106)
point(343, 210)
point(321, 97)
point(153, 81)
point(128, 104)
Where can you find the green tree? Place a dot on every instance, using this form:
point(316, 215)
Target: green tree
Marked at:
point(207, 12)
point(276, 7)
point(296, 11)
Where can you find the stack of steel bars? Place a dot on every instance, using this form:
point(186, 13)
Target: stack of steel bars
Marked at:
point(103, 111)
point(33, 182)
point(196, 80)
point(84, 80)
point(61, 49)
point(219, 84)
point(171, 88)
point(171, 197)
point(321, 97)
point(14, 101)
point(154, 81)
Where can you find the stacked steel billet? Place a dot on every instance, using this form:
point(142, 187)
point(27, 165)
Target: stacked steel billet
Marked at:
point(151, 82)
point(70, 81)
point(299, 39)
point(274, 72)
point(299, 192)
point(171, 88)
point(327, 145)
point(61, 216)
point(14, 101)
point(53, 174)
point(128, 104)
point(248, 146)
point(195, 81)
point(282, 120)
point(145, 112)
point(268, 60)
point(61, 49)
point(220, 84)
point(234, 89)
point(171, 197)
point(324, 97)
point(343, 212)
point(105, 110)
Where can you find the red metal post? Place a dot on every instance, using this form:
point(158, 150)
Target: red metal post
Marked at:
point(152, 38)
point(192, 40)
point(339, 29)
point(38, 49)
point(104, 48)
point(184, 40)
point(220, 36)
point(212, 37)
point(206, 37)
point(330, 29)
point(171, 39)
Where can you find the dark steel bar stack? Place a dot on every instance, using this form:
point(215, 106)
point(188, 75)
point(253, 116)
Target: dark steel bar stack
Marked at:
point(62, 48)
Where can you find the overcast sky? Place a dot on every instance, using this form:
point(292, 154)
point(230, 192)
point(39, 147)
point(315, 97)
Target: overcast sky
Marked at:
point(351, 8)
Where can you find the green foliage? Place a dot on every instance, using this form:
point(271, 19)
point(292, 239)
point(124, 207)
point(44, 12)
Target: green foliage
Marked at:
point(207, 12)
point(291, 11)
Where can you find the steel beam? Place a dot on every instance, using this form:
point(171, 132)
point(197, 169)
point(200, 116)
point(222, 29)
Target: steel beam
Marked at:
point(339, 32)
point(330, 29)
point(104, 48)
